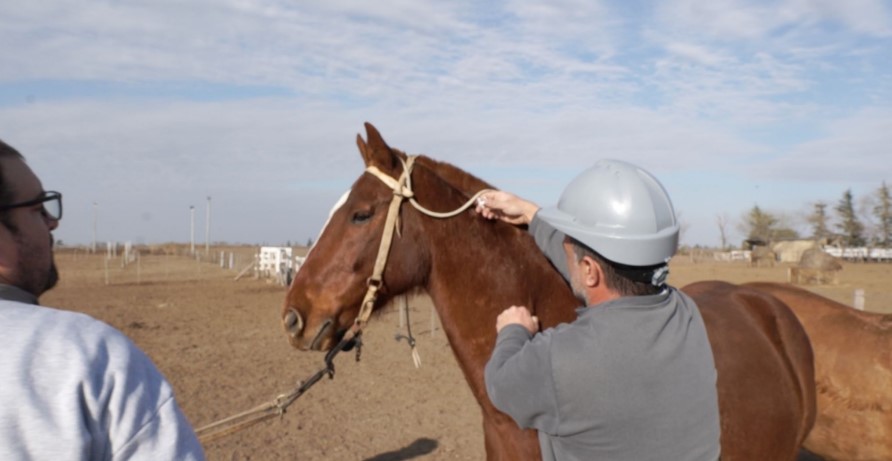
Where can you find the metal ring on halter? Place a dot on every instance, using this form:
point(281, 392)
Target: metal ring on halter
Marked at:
point(374, 282)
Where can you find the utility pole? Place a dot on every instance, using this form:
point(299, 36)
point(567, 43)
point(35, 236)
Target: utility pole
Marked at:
point(95, 219)
point(192, 229)
point(207, 230)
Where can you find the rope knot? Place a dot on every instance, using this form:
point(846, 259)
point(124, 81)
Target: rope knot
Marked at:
point(404, 192)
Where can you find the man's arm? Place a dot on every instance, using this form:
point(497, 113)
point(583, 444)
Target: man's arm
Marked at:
point(507, 207)
point(518, 378)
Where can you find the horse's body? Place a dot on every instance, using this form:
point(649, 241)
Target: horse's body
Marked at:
point(853, 372)
point(473, 269)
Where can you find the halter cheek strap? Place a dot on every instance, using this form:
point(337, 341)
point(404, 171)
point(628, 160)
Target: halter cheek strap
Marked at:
point(402, 190)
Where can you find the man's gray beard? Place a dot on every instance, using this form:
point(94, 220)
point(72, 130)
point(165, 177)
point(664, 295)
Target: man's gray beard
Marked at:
point(579, 294)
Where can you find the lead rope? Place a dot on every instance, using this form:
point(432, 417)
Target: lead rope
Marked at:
point(277, 406)
point(416, 358)
point(402, 189)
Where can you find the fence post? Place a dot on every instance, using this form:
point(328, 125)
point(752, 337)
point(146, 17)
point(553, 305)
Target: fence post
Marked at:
point(859, 299)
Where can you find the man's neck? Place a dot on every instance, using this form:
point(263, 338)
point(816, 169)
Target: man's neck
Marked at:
point(13, 293)
point(599, 295)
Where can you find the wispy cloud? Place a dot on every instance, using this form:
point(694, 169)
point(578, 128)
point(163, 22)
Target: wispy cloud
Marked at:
point(155, 103)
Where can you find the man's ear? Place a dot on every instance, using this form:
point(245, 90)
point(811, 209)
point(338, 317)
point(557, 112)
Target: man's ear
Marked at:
point(592, 275)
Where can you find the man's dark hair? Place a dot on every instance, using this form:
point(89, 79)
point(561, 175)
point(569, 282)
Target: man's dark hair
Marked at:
point(623, 279)
point(6, 194)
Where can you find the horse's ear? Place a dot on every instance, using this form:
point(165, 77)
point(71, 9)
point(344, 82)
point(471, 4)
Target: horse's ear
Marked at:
point(364, 149)
point(376, 151)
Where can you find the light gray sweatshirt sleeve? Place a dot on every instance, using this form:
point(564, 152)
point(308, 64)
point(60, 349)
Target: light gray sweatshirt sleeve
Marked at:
point(519, 380)
point(551, 242)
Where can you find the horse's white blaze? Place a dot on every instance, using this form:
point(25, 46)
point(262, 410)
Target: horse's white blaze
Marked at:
point(331, 213)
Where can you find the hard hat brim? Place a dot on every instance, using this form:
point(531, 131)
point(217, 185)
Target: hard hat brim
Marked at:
point(631, 250)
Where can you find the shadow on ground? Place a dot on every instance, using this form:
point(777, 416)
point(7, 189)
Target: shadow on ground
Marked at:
point(417, 448)
point(805, 455)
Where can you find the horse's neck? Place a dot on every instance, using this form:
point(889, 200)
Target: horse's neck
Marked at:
point(479, 268)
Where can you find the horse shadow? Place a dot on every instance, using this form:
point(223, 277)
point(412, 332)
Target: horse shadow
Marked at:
point(419, 447)
point(805, 455)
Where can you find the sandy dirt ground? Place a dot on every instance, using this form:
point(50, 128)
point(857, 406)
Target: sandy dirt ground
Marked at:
point(220, 343)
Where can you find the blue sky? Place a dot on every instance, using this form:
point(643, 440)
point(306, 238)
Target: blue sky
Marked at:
point(147, 107)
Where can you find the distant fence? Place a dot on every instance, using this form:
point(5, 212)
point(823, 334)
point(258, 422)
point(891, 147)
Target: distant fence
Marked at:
point(735, 255)
point(848, 254)
point(126, 263)
point(861, 253)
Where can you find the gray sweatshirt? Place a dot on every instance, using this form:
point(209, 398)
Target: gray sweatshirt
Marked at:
point(74, 388)
point(630, 379)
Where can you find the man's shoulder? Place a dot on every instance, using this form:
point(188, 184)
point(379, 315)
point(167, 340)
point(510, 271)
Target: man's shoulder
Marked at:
point(58, 325)
point(37, 312)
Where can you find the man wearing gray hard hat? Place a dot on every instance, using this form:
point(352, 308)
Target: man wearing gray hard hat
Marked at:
point(633, 377)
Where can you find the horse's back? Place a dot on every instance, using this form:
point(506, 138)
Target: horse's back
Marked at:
point(814, 310)
point(766, 380)
point(853, 371)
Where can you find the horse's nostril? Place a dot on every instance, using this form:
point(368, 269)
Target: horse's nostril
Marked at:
point(292, 322)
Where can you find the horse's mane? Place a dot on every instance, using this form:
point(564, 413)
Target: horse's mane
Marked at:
point(518, 244)
point(459, 179)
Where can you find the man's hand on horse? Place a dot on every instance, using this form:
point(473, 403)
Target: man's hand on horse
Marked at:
point(518, 315)
point(507, 207)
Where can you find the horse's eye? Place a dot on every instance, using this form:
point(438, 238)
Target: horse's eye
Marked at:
point(361, 216)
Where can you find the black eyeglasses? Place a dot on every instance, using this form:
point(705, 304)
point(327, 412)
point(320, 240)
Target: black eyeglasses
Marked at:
point(51, 200)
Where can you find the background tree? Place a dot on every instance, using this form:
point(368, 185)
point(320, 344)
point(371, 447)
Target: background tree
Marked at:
point(722, 221)
point(758, 224)
point(784, 228)
point(818, 221)
point(850, 227)
point(683, 225)
point(883, 213)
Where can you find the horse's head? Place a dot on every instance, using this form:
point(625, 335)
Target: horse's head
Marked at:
point(326, 295)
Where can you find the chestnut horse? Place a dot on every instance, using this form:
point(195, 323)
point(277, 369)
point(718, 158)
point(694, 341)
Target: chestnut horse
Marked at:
point(853, 372)
point(473, 268)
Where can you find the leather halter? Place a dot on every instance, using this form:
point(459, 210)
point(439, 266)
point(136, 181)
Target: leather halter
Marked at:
point(402, 190)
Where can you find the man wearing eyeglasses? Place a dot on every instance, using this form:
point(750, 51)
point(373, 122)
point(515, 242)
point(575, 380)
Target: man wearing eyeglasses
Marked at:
point(71, 387)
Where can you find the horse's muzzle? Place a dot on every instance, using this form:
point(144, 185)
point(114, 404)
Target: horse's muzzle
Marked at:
point(294, 327)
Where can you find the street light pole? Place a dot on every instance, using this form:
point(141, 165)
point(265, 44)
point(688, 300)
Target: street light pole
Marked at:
point(95, 219)
point(207, 230)
point(192, 229)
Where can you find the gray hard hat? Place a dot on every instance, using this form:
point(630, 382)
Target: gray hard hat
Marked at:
point(620, 211)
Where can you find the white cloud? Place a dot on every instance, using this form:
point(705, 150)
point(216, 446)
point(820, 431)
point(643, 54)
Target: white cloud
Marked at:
point(540, 86)
point(766, 20)
point(855, 150)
